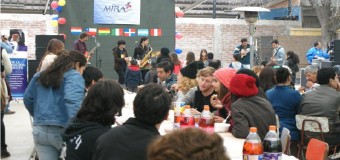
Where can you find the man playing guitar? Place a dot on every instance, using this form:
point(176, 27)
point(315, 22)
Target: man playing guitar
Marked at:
point(80, 45)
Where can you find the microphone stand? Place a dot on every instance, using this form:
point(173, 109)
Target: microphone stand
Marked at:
point(96, 52)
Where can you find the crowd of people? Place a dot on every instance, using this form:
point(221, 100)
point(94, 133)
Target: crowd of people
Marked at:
point(72, 103)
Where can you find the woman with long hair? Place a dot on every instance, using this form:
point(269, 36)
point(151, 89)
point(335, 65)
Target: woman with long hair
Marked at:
point(267, 78)
point(190, 58)
point(52, 98)
point(103, 102)
point(176, 62)
point(292, 62)
point(204, 57)
point(52, 51)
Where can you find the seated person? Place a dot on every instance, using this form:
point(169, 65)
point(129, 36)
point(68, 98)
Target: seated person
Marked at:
point(310, 73)
point(188, 144)
point(165, 75)
point(199, 96)
point(104, 100)
point(286, 102)
point(133, 77)
point(186, 79)
point(130, 140)
point(324, 101)
point(91, 76)
point(249, 110)
point(316, 53)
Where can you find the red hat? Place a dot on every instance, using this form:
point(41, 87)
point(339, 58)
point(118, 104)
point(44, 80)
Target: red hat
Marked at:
point(224, 75)
point(243, 85)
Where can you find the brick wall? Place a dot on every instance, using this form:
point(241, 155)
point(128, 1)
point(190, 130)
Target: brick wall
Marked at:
point(31, 24)
point(220, 36)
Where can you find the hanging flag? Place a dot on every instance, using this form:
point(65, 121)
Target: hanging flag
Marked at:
point(103, 31)
point(143, 32)
point(117, 32)
point(76, 30)
point(129, 32)
point(155, 32)
point(91, 31)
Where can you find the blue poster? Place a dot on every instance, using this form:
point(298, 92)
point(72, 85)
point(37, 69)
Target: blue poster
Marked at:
point(18, 77)
point(117, 12)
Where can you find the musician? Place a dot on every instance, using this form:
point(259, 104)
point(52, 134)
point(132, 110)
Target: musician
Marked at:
point(244, 50)
point(279, 54)
point(120, 58)
point(79, 44)
point(140, 52)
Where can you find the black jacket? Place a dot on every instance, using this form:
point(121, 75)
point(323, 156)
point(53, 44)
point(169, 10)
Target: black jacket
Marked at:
point(80, 139)
point(120, 62)
point(126, 142)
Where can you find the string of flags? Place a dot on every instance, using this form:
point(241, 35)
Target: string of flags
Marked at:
point(122, 32)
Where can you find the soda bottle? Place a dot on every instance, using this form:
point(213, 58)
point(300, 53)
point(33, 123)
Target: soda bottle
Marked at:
point(187, 118)
point(272, 145)
point(252, 147)
point(207, 121)
point(177, 117)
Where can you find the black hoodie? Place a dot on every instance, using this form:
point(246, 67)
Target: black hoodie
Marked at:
point(80, 139)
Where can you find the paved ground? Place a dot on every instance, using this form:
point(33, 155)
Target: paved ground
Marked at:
point(18, 132)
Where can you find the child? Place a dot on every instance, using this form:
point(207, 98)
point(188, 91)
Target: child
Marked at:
point(151, 75)
point(133, 77)
point(237, 65)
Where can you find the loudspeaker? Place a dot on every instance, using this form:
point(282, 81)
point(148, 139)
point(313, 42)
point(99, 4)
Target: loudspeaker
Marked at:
point(32, 68)
point(42, 40)
point(337, 51)
point(329, 64)
point(39, 53)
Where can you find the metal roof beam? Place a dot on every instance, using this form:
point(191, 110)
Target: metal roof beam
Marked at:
point(185, 10)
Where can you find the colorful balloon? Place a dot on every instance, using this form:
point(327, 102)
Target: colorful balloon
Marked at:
point(178, 50)
point(59, 8)
point(62, 20)
point(54, 4)
point(177, 9)
point(61, 2)
point(178, 35)
point(179, 14)
point(54, 23)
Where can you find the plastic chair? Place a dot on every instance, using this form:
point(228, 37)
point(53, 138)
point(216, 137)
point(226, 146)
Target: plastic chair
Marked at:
point(285, 140)
point(317, 150)
point(312, 124)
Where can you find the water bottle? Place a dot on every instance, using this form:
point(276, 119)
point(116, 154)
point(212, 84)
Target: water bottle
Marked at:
point(252, 147)
point(272, 145)
point(187, 118)
point(207, 121)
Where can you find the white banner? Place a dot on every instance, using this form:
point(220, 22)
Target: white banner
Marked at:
point(117, 12)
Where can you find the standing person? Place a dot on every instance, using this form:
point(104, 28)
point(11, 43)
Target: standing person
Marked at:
point(120, 58)
point(140, 52)
point(190, 58)
point(6, 69)
point(292, 62)
point(244, 50)
point(316, 53)
point(177, 63)
point(286, 102)
point(204, 57)
point(130, 140)
point(54, 47)
point(52, 98)
point(133, 77)
point(95, 117)
point(80, 45)
point(278, 53)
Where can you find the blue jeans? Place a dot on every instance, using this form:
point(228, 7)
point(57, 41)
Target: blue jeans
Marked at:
point(48, 141)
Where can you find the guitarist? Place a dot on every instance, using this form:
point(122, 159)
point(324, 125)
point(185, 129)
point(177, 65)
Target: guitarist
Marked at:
point(80, 45)
point(244, 50)
point(140, 51)
point(120, 59)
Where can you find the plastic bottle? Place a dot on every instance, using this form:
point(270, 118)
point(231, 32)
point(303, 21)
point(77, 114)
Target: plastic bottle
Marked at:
point(252, 148)
point(177, 117)
point(272, 145)
point(207, 121)
point(187, 118)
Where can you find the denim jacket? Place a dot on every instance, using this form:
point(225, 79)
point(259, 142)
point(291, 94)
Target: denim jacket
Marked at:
point(50, 106)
